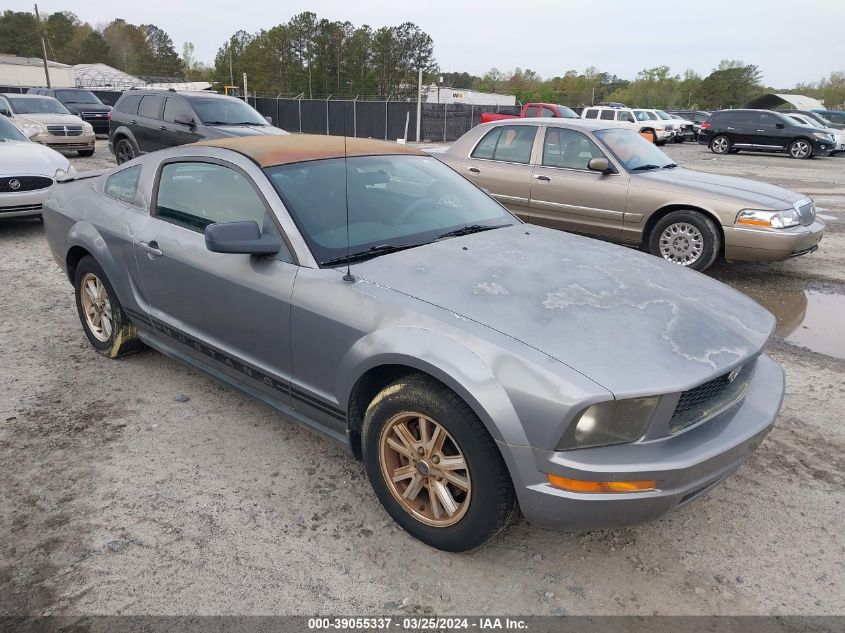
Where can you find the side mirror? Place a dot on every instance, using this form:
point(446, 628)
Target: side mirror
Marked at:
point(269, 119)
point(183, 119)
point(5, 112)
point(244, 238)
point(599, 164)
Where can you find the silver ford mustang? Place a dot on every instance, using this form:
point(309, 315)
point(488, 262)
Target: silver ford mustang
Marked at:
point(478, 366)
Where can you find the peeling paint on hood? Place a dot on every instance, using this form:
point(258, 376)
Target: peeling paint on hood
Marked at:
point(629, 321)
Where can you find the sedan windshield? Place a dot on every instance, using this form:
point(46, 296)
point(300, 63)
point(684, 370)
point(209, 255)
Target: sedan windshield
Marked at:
point(217, 111)
point(633, 151)
point(77, 96)
point(394, 202)
point(37, 105)
point(9, 132)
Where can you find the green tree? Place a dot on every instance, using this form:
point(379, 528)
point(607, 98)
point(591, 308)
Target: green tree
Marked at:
point(93, 49)
point(158, 56)
point(19, 34)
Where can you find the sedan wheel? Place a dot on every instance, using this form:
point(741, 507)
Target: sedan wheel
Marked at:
point(687, 237)
point(425, 469)
point(124, 151)
point(102, 317)
point(800, 149)
point(434, 466)
point(720, 145)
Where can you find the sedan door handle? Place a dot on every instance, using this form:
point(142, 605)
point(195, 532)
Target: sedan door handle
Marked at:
point(162, 127)
point(151, 248)
point(475, 170)
point(543, 178)
point(731, 128)
point(133, 122)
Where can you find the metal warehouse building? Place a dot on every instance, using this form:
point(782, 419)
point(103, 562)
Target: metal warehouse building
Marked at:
point(23, 72)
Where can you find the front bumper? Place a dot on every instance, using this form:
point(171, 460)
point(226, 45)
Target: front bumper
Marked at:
point(685, 465)
point(771, 245)
point(22, 205)
point(84, 141)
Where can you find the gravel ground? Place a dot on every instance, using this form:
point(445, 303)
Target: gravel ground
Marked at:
point(139, 486)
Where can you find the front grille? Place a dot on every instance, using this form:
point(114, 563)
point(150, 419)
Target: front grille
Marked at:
point(701, 402)
point(65, 130)
point(21, 207)
point(94, 115)
point(14, 184)
point(807, 213)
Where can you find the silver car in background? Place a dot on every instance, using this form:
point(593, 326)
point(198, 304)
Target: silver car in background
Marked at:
point(478, 366)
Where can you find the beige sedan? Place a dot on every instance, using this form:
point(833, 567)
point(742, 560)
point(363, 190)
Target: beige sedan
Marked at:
point(608, 182)
point(45, 120)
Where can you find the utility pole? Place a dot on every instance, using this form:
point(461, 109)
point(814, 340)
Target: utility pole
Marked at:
point(231, 74)
point(419, 104)
point(43, 45)
point(245, 92)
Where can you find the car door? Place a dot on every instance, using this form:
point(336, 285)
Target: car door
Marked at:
point(173, 133)
point(228, 311)
point(501, 164)
point(740, 128)
point(147, 125)
point(769, 135)
point(566, 194)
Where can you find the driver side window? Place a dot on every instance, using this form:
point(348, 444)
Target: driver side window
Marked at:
point(568, 149)
point(194, 194)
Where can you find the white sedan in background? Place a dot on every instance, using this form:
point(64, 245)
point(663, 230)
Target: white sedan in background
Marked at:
point(839, 135)
point(27, 171)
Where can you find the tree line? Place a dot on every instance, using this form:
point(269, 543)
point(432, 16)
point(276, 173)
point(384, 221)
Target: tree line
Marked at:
point(317, 58)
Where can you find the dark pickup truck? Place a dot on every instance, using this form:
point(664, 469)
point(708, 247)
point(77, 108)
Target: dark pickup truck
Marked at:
point(530, 110)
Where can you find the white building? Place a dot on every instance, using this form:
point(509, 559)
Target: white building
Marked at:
point(25, 72)
point(433, 94)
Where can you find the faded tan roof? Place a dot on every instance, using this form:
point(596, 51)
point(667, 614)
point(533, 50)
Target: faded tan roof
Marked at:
point(272, 150)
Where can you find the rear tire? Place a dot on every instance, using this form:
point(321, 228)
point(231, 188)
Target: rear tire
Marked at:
point(124, 151)
point(687, 238)
point(105, 324)
point(479, 495)
point(720, 145)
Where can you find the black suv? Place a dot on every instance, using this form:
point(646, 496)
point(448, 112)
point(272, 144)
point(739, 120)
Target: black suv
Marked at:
point(729, 131)
point(82, 103)
point(148, 120)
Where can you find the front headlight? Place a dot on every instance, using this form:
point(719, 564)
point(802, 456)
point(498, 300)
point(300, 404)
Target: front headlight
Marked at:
point(87, 127)
point(823, 136)
point(611, 422)
point(771, 219)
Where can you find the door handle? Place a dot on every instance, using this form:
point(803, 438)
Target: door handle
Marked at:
point(133, 122)
point(475, 170)
point(151, 248)
point(730, 128)
point(761, 130)
point(162, 127)
point(543, 178)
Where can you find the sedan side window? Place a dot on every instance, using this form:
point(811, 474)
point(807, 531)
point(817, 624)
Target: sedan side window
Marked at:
point(124, 184)
point(194, 195)
point(568, 149)
point(510, 143)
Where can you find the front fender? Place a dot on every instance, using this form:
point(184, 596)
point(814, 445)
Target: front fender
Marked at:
point(445, 358)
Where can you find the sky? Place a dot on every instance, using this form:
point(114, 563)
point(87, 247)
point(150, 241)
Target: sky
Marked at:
point(790, 42)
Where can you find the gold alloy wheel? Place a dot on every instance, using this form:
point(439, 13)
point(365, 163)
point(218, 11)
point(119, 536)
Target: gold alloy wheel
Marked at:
point(96, 306)
point(424, 469)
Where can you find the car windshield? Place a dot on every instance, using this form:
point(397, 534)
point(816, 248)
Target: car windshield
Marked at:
point(37, 105)
point(633, 151)
point(223, 111)
point(9, 132)
point(567, 113)
point(77, 96)
point(641, 115)
point(662, 114)
point(806, 121)
point(393, 202)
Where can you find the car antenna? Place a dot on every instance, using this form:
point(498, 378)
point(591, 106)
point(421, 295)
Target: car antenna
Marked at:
point(348, 276)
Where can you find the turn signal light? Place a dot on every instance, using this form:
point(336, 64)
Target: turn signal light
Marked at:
point(577, 485)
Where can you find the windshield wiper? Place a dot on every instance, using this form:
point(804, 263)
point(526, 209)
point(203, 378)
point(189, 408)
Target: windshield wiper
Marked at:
point(467, 230)
point(670, 166)
point(375, 251)
point(645, 167)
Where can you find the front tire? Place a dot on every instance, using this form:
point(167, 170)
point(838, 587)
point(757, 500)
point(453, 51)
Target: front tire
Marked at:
point(720, 145)
point(688, 238)
point(434, 466)
point(801, 149)
point(102, 317)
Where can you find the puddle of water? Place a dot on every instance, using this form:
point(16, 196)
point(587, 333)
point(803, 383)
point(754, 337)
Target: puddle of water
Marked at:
point(822, 328)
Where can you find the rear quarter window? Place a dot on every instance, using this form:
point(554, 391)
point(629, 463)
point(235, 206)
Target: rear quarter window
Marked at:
point(123, 184)
point(129, 105)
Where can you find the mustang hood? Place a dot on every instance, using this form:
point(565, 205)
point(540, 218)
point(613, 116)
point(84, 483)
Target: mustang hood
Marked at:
point(631, 322)
point(749, 192)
